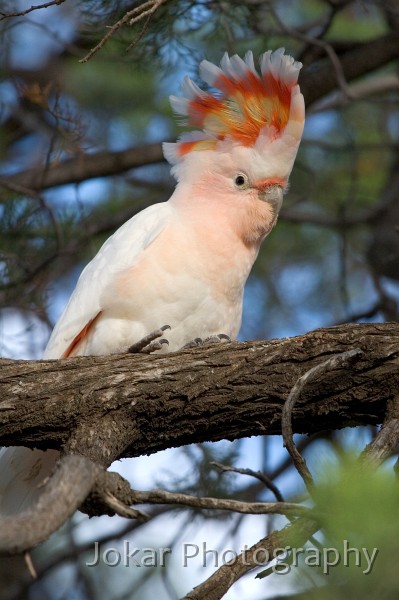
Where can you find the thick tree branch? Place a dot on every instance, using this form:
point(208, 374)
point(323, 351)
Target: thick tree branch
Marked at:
point(113, 406)
point(86, 166)
point(62, 495)
point(318, 81)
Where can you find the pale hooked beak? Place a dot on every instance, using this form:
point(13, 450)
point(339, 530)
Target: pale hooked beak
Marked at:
point(273, 194)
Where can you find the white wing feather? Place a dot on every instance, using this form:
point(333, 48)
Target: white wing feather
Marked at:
point(23, 470)
point(119, 252)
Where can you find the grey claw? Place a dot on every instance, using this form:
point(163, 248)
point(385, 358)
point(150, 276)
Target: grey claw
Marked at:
point(147, 344)
point(217, 339)
point(193, 344)
point(213, 339)
point(153, 346)
point(223, 336)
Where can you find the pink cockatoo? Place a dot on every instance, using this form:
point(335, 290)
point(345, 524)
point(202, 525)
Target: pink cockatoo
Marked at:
point(184, 263)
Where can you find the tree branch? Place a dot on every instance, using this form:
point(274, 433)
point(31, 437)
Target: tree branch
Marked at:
point(62, 495)
point(386, 441)
point(131, 17)
point(143, 404)
point(265, 479)
point(334, 362)
point(364, 58)
point(77, 482)
point(246, 508)
point(264, 551)
point(22, 13)
point(86, 166)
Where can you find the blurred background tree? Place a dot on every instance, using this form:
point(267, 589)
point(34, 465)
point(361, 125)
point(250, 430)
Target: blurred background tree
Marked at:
point(80, 153)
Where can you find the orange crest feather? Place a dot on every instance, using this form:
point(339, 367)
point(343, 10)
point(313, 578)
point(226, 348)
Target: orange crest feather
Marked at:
point(248, 103)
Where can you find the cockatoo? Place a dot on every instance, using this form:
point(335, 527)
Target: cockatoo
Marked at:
point(181, 265)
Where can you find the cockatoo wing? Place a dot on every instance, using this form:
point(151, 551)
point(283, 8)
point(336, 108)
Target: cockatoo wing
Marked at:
point(119, 252)
point(23, 470)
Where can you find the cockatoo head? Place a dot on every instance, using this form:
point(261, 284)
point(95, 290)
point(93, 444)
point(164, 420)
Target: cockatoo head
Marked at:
point(248, 131)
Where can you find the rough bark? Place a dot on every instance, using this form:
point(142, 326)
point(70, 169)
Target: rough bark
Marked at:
point(61, 497)
point(122, 405)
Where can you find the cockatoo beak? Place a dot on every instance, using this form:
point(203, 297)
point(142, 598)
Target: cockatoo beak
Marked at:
point(273, 195)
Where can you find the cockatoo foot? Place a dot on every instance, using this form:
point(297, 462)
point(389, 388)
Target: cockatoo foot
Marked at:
point(150, 343)
point(213, 339)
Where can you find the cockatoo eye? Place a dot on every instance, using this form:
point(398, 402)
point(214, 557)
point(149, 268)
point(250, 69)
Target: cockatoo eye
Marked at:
point(241, 181)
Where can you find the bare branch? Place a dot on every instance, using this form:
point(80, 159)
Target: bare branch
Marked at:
point(387, 440)
point(62, 495)
point(147, 9)
point(221, 581)
point(248, 508)
point(112, 491)
point(257, 474)
point(122, 510)
point(335, 362)
point(86, 166)
point(315, 84)
point(355, 62)
point(22, 13)
point(359, 90)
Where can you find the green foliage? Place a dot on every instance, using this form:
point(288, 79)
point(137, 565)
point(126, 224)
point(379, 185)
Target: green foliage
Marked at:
point(354, 553)
point(358, 507)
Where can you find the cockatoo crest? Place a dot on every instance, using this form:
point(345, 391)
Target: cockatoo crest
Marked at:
point(250, 111)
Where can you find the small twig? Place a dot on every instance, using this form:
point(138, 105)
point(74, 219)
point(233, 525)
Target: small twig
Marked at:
point(122, 510)
point(257, 474)
point(30, 9)
point(30, 566)
point(131, 17)
point(335, 362)
point(141, 34)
